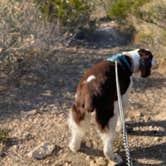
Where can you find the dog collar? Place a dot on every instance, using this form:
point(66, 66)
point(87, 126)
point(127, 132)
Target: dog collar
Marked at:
point(122, 59)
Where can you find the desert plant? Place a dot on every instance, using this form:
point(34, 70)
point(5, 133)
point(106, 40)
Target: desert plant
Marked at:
point(146, 39)
point(24, 33)
point(68, 14)
point(4, 133)
point(164, 36)
point(120, 9)
point(154, 13)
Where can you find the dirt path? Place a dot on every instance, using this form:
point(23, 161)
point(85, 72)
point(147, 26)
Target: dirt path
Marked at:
point(35, 109)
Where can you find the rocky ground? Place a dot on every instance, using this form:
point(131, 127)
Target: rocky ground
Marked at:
point(34, 108)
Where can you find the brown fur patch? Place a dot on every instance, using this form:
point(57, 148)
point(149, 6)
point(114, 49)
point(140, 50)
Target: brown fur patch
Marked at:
point(145, 62)
point(99, 94)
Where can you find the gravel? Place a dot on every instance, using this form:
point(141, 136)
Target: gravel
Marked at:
point(37, 112)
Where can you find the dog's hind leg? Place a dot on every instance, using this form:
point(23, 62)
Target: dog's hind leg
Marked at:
point(78, 130)
point(108, 135)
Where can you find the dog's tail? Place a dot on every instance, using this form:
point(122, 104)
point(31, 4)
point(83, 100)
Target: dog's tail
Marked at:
point(77, 114)
point(83, 104)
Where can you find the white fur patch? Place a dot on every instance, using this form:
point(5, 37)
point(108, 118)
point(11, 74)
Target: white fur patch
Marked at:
point(75, 96)
point(135, 57)
point(154, 63)
point(90, 78)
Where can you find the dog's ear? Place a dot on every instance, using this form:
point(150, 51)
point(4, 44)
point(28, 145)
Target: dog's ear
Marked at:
point(145, 53)
point(145, 62)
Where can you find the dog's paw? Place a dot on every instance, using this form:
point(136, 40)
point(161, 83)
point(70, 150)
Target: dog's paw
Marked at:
point(117, 159)
point(73, 147)
point(114, 157)
point(118, 128)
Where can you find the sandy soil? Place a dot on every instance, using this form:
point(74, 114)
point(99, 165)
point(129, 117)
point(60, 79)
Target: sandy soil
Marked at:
point(34, 107)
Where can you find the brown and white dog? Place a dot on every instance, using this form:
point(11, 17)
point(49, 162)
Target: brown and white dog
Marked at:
point(96, 92)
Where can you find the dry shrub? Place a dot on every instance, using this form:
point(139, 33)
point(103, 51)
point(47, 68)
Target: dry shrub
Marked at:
point(4, 134)
point(69, 14)
point(23, 33)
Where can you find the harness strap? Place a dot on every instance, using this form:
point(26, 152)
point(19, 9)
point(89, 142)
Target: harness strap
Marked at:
point(123, 60)
point(114, 57)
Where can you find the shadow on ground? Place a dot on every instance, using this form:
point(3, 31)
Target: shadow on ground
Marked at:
point(151, 153)
point(48, 82)
point(103, 37)
point(52, 81)
point(161, 125)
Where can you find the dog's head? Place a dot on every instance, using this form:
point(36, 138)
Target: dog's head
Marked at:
point(146, 62)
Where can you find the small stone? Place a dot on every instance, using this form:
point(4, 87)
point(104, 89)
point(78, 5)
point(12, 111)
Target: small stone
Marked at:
point(101, 161)
point(48, 161)
point(92, 163)
point(111, 163)
point(60, 151)
point(157, 139)
point(151, 128)
point(29, 113)
point(87, 158)
point(42, 151)
point(1, 50)
point(88, 144)
point(67, 164)
point(15, 147)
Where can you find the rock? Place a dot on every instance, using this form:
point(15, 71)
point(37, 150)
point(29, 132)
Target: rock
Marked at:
point(67, 164)
point(92, 163)
point(42, 151)
point(29, 113)
point(157, 139)
point(88, 158)
point(111, 163)
point(88, 144)
point(101, 161)
point(1, 49)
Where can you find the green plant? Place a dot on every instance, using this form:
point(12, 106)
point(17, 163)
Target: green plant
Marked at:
point(4, 133)
point(164, 36)
point(23, 33)
point(66, 13)
point(120, 9)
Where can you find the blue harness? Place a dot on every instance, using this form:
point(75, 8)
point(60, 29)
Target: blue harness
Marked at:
point(122, 59)
point(114, 57)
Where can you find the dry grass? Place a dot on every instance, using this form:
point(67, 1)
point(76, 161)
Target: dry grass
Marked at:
point(150, 27)
point(23, 32)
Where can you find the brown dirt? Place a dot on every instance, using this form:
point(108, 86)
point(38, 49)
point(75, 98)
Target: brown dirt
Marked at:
point(34, 107)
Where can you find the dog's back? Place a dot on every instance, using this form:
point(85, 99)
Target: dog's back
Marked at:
point(96, 91)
